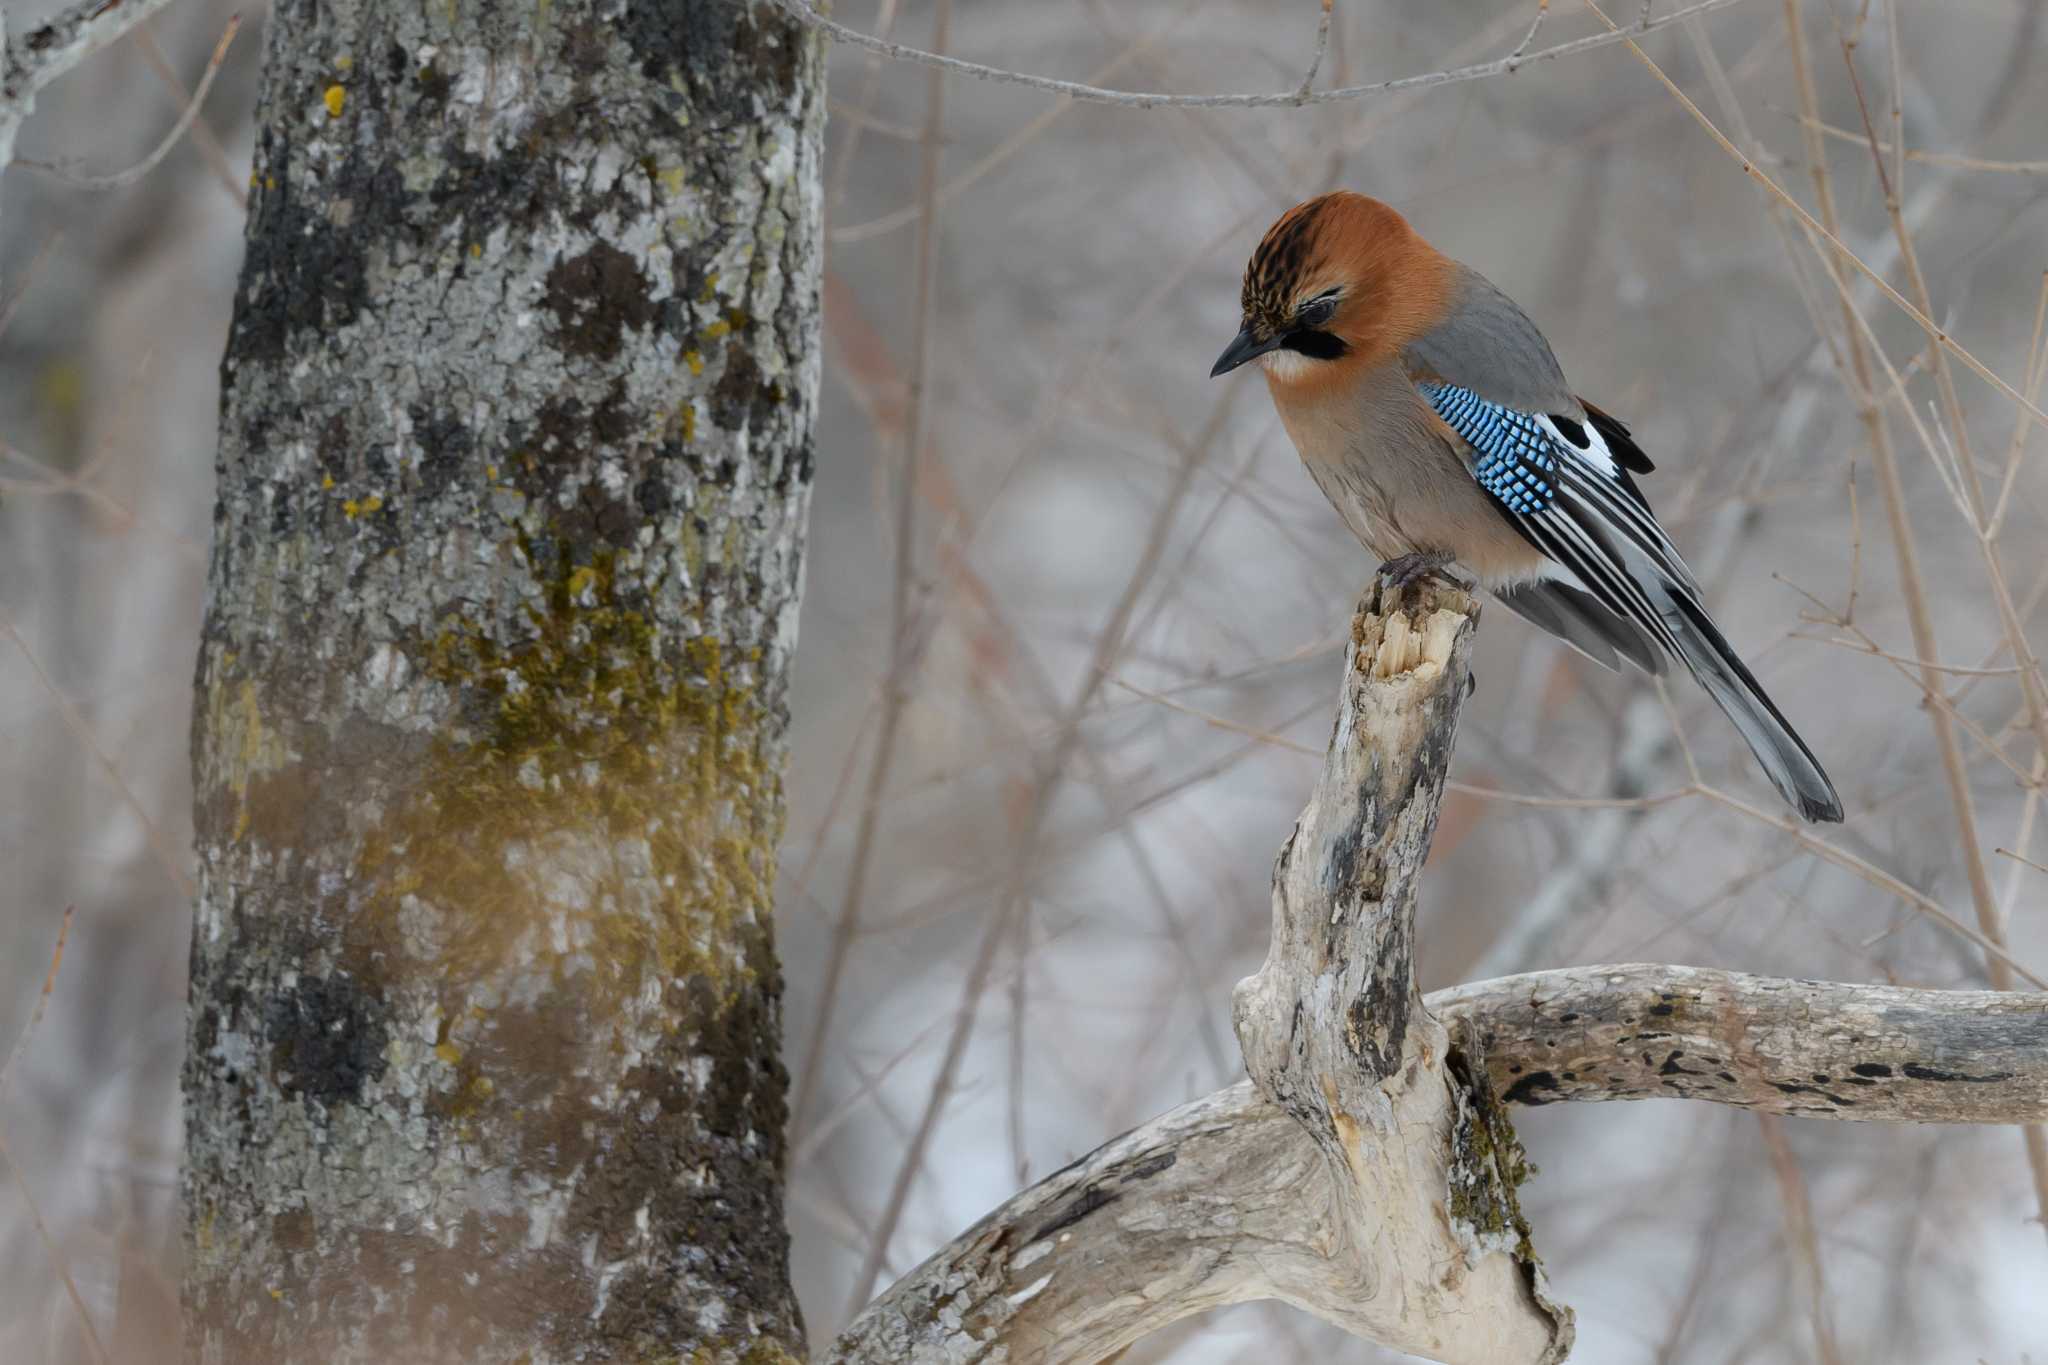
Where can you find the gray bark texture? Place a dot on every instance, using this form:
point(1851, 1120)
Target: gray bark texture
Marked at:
point(516, 446)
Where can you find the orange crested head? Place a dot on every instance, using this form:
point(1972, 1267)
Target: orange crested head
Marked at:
point(1337, 282)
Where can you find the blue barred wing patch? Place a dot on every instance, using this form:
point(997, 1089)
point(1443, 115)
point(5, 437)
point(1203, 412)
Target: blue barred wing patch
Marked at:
point(1517, 460)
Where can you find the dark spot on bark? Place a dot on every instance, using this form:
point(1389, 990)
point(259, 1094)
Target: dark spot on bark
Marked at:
point(595, 297)
point(327, 1038)
point(727, 49)
point(1376, 1021)
point(1145, 1170)
point(1567, 1018)
point(1530, 1090)
point(521, 1059)
point(1662, 1009)
point(301, 271)
point(742, 397)
point(611, 422)
point(598, 518)
point(476, 193)
point(802, 466)
point(292, 1230)
point(1672, 1068)
point(1791, 1088)
point(652, 496)
point(1090, 1199)
point(561, 432)
point(433, 86)
point(1915, 1071)
point(1821, 1078)
point(1871, 1069)
point(1726, 1076)
point(706, 1165)
point(446, 447)
point(1343, 853)
point(588, 45)
point(333, 448)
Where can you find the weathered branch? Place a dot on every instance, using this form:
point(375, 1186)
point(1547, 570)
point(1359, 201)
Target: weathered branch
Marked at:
point(1366, 1173)
point(1204, 1205)
point(1817, 1049)
point(1368, 1180)
point(1421, 1243)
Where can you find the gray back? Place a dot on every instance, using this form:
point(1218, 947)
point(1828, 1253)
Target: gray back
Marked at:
point(1489, 345)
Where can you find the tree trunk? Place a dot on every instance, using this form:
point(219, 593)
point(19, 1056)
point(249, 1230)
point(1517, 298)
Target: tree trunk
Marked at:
point(516, 445)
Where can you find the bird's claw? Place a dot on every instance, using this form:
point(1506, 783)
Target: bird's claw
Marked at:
point(1398, 572)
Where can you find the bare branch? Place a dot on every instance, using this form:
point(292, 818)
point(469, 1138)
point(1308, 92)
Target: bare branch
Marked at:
point(1146, 99)
point(1219, 1201)
point(1815, 1049)
point(149, 163)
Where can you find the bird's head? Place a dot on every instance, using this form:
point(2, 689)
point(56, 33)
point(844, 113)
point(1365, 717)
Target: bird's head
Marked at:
point(1335, 283)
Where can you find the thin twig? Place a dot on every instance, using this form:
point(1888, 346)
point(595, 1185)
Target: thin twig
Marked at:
point(1542, 13)
point(1873, 874)
point(28, 279)
point(163, 149)
point(76, 723)
point(1797, 1210)
point(42, 1003)
point(1109, 643)
point(1145, 99)
point(57, 1262)
point(1934, 330)
point(215, 155)
point(1954, 160)
point(906, 647)
point(1315, 62)
point(2037, 367)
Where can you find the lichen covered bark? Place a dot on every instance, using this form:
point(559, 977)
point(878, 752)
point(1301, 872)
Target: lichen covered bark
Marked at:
point(516, 444)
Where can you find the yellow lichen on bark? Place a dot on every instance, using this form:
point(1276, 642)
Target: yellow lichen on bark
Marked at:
point(594, 808)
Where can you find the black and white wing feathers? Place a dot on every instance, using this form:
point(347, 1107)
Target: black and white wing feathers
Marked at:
point(1618, 586)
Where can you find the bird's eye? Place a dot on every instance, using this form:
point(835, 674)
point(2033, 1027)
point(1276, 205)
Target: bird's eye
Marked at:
point(1316, 312)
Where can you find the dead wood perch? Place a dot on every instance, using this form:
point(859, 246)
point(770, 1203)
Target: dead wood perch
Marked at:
point(1366, 1173)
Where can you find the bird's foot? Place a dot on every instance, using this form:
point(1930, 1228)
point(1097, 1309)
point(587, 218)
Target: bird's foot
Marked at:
point(1398, 572)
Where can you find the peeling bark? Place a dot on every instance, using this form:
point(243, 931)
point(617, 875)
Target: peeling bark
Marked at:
point(516, 446)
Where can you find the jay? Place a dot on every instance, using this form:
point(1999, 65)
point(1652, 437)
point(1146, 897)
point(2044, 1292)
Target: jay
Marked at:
point(1431, 412)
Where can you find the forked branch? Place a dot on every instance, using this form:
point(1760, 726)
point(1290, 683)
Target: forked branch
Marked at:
point(1366, 1172)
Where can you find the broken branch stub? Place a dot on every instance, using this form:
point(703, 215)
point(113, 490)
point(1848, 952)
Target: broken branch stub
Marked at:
point(1421, 1158)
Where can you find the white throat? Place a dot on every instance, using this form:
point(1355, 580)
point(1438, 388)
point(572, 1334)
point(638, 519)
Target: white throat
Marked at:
point(1288, 366)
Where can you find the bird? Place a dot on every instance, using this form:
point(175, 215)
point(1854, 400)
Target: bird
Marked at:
point(1434, 416)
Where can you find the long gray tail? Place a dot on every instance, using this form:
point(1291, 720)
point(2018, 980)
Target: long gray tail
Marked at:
point(1783, 755)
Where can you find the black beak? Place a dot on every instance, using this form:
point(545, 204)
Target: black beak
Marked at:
point(1246, 346)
